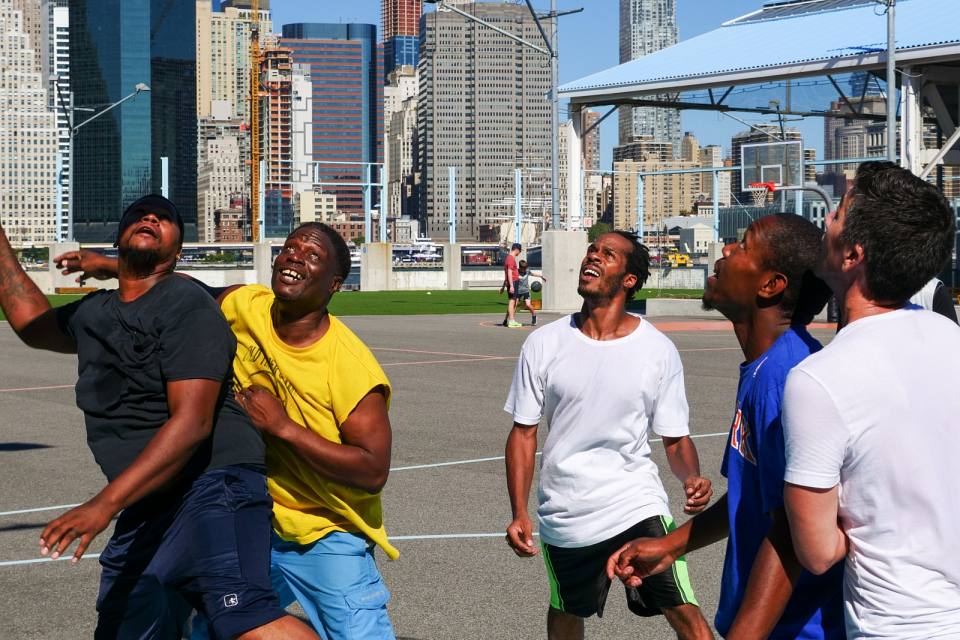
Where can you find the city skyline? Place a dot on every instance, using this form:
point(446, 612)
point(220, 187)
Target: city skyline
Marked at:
point(595, 30)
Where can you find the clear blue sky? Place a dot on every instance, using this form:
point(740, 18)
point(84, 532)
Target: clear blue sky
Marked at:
point(588, 43)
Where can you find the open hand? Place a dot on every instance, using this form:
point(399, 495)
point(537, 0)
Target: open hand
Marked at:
point(520, 537)
point(89, 264)
point(82, 523)
point(264, 409)
point(638, 559)
point(698, 490)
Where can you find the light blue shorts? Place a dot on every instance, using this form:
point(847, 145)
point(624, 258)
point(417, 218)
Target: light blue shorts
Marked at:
point(336, 581)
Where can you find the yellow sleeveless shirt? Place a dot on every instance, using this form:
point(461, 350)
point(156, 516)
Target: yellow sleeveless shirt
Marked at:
point(319, 385)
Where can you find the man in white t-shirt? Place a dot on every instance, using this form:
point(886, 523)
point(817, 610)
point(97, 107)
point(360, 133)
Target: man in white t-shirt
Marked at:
point(602, 378)
point(871, 421)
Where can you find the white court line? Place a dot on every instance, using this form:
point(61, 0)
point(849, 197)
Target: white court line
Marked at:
point(450, 536)
point(495, 458)
point(14, 563)
point(427, 536)
point(38, 509)
point(46, 388)
point(433, 465)
point(437, 536)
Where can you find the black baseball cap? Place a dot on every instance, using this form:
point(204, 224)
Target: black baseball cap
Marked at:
point(153, 203)
point(516, 245)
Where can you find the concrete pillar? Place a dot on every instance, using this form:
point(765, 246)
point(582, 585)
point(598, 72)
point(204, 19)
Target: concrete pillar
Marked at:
point(911, 121)
point(58, 281)
point(575, 170)
point(376, 266)
point(714, 253)
point(263, 262)
point(562, 253)
point(452, 265)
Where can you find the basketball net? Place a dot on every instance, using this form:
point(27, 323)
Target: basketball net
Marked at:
point(759, 191)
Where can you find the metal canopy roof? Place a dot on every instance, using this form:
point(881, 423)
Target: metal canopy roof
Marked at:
point(783, 40)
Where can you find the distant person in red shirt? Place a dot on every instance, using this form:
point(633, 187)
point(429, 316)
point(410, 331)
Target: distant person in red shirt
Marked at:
point(511, 276)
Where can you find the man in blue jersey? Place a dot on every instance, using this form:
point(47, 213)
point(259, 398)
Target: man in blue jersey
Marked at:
point(765, 286)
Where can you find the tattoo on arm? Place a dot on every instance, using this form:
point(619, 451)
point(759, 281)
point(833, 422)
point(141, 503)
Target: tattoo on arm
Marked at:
point(21, 299)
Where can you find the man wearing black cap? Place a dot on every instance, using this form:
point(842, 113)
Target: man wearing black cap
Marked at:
point(184, 465)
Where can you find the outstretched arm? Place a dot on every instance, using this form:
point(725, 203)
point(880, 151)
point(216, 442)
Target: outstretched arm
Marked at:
point(90, 264)
point(361, 461)
point(685, 464)
point(648, 556)
point(28, 311)
point(192, 404)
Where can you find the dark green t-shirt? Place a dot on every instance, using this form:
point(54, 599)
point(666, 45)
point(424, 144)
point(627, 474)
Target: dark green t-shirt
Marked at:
point(129, 351)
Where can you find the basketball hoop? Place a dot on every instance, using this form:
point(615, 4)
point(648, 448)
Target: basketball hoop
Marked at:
point(759, 191)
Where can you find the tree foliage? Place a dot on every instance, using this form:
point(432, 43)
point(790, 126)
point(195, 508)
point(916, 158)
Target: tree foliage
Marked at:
point(598, 229)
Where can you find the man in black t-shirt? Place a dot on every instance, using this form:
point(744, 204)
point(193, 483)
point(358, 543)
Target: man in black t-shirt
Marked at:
point(184, 465)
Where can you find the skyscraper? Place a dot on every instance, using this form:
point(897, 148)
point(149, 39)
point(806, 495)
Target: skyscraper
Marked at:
point(223, 54)
point(32, 22)
point(591, 143)
point(224, 145)
point(55, 70)
point(647, 26)
point(117, 157)
point(400, 126)
point(346, 70)
point(482, 108)
point(28, 137)
point(401, 31)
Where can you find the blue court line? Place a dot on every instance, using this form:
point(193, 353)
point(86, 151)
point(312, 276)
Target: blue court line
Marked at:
point(433, 465)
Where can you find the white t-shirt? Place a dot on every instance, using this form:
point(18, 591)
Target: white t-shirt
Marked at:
point(599, 398)
point(924, 297)
point(878, 411)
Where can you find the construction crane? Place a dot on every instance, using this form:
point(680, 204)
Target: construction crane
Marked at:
point(255, 119)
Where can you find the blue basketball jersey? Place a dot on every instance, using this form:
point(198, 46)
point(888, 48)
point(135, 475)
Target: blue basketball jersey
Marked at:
point(754, 463)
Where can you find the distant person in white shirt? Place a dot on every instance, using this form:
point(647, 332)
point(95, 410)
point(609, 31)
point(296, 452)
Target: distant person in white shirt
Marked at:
point(935, 297)
point(603, 379)
point(872, 422)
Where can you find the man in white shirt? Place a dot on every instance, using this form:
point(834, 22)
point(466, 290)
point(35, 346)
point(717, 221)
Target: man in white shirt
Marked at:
point(871, 421)
point(602, 378)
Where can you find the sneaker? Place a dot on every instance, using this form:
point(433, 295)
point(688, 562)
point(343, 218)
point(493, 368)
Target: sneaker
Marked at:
point(514, 324)
point(533, 321)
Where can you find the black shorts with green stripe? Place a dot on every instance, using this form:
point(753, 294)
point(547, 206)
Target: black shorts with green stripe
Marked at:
point(579, 583)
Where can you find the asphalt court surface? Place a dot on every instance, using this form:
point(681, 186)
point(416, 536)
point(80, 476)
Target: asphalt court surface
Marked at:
point(445, 503)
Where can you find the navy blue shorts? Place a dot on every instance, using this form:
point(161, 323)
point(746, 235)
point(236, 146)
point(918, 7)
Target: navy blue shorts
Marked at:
point(209, 550)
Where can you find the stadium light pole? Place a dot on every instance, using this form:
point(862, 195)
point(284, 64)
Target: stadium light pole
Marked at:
point(139, 88)
point(551, 50)
point(891, 80)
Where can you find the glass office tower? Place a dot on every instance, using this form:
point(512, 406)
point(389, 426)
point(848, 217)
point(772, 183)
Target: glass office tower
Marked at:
point(114, 45)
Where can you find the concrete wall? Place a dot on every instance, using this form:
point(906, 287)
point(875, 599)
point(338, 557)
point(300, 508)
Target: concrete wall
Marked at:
point(679, 278)
point(413, 279)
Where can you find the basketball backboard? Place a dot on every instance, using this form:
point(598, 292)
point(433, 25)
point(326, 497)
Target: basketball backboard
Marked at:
point(777, 163)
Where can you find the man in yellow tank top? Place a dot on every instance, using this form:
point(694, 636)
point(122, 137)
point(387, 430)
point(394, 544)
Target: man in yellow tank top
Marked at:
point(320, 398)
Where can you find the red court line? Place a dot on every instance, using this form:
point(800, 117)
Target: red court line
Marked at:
point(481, 359)
point(46, 388)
